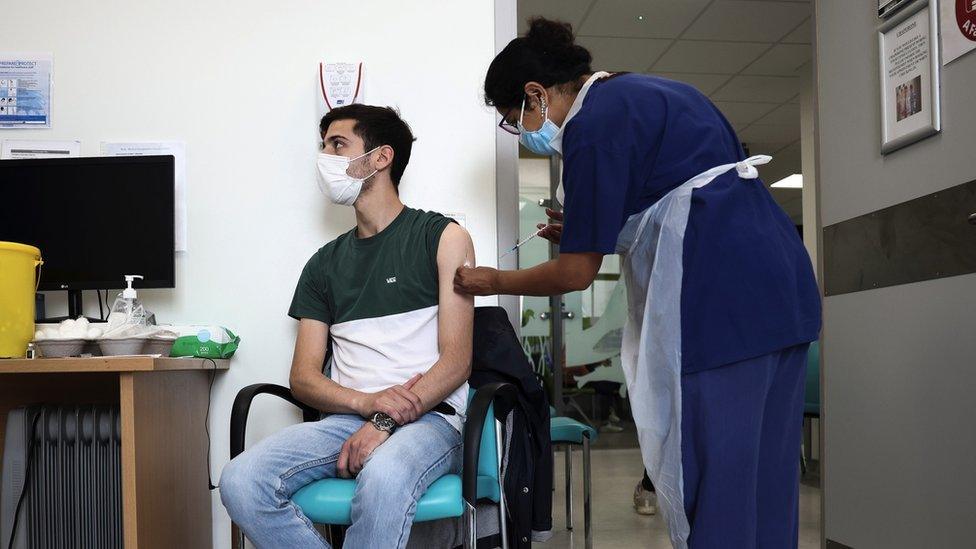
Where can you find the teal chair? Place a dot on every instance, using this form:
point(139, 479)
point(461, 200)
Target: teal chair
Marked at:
point(570, 433)
point(329, 501)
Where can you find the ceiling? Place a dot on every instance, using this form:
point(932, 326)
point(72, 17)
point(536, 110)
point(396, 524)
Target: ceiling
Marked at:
point(749, 56)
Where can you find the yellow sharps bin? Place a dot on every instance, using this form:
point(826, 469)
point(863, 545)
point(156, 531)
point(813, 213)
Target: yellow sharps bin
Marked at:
point(19, 275)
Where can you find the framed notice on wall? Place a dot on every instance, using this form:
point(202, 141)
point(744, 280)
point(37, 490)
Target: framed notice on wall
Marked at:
point(909, 52)
point(888, 7)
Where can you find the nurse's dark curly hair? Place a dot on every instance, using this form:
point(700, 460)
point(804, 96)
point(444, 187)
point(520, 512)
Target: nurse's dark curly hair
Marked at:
point(547, 54)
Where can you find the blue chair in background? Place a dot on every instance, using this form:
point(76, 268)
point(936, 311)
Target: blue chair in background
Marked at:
point(329, 501)
point(571, 433)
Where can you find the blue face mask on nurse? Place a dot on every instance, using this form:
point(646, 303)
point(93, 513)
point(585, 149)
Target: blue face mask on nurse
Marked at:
point(539, 141)
point(537, 121)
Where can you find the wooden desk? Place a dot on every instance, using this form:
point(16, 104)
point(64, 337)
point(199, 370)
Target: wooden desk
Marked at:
point(163, 405)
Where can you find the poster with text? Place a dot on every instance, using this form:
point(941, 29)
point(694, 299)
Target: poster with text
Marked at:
point(909, 79)
point(25, 90)
point(958, 19)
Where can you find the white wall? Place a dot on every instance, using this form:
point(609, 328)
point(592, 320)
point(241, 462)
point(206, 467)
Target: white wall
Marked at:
point(811, 223)
point(237, 82)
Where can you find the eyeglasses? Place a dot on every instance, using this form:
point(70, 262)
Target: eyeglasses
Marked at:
point(508, 126)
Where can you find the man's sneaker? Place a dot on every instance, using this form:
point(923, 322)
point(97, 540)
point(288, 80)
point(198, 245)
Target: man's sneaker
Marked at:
point(645, 501)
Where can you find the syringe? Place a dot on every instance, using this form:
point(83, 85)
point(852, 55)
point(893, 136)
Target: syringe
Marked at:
point(523, 241)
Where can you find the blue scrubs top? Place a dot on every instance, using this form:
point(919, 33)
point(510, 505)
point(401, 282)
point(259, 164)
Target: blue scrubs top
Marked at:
point(748, 287)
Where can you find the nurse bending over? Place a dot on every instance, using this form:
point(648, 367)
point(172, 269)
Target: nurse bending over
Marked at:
point(722, 298)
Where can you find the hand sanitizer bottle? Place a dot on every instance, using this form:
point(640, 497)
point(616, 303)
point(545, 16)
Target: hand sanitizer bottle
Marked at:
point(127, 308)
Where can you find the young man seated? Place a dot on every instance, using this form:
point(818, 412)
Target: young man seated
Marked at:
point(401, 353)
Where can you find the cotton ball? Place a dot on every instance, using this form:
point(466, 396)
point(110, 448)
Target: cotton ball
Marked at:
point(73, 329)
point(94, 332)
point(81, 323)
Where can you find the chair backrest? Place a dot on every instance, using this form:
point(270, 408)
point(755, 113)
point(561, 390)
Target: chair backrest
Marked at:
point(488, 455)
point(811, 398)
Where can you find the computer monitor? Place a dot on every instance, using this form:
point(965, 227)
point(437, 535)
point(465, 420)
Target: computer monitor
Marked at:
point(94, 219)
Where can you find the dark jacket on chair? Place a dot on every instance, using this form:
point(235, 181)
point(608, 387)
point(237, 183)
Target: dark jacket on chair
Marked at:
point(498, 356)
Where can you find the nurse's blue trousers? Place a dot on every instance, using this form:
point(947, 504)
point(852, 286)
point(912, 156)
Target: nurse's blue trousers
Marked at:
point(741, 427)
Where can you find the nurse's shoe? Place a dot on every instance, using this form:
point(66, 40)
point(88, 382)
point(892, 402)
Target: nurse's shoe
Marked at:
point(645, 501)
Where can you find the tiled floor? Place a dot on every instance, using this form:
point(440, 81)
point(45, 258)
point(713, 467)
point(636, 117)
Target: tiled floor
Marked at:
point(616, 525)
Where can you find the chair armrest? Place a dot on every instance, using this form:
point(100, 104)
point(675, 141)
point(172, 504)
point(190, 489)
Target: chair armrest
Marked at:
point(473, 428)
point(242, 405)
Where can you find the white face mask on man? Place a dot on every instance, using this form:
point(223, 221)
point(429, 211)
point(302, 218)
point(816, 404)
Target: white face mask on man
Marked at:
point(335, 181)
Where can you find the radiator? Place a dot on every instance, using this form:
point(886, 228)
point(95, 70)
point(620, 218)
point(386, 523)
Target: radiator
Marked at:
point(74, 495)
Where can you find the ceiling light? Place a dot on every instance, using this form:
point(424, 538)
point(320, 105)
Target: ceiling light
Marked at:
point(794, 181)
point(640, 17)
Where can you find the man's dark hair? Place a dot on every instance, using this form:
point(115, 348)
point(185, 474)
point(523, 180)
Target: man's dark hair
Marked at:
point(377, 126)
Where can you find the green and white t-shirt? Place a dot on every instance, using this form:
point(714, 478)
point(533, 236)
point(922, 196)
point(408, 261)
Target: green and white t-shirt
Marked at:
point(379, 296)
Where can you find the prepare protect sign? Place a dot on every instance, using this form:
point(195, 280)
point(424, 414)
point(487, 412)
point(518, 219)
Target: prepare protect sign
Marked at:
point(958, 22)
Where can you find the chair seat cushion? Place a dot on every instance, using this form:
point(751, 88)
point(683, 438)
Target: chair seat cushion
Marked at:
point(329, 501)
point(567, 430)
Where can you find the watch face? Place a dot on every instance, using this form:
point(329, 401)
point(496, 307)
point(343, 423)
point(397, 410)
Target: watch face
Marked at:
point(384, 422)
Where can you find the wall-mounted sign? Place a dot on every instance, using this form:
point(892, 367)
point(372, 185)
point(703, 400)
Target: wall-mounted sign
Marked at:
point(958, 28)
point(341, 84)
point(25, 90)
point(909, 53)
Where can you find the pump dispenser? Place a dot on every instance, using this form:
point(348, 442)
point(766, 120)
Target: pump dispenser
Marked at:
point(127, 308)
point(129, 292)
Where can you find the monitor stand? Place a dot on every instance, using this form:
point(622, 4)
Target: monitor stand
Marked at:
point(74, 310)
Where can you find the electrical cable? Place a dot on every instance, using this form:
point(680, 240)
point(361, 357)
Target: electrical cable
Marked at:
point(206, 421)
point(27, 478)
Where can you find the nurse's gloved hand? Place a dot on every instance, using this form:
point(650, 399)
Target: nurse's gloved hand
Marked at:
point(476, 280)
point(553, 232)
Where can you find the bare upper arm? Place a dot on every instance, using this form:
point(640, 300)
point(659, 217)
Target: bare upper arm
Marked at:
point(455, 310)
point(310, 345)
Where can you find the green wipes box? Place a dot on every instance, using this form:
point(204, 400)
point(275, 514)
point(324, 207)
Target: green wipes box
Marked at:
point(204, 342)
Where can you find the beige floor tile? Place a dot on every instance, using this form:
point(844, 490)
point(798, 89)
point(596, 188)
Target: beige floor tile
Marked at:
point(616, 525)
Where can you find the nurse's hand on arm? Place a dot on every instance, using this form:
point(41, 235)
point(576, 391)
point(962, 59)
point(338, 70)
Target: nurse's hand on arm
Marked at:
point(570, 272)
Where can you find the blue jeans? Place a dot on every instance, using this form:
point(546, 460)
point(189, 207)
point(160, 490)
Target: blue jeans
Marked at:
point(256, 486)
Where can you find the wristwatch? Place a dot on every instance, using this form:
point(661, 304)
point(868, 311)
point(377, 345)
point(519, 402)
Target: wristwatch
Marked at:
point(383, 422)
